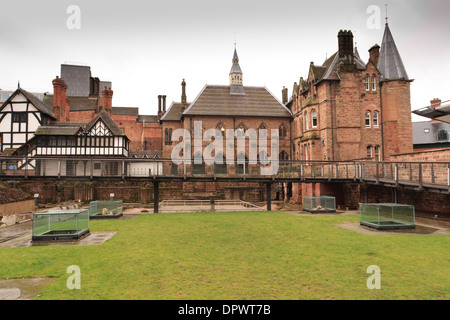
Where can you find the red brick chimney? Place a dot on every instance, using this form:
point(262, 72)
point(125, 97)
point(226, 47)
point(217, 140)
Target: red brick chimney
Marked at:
point(345, 42)
point(60, 105)
point(435, 103)
point(107, 95)
point(374, 54)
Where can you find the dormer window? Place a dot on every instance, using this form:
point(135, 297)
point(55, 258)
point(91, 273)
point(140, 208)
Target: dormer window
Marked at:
point(442, 135)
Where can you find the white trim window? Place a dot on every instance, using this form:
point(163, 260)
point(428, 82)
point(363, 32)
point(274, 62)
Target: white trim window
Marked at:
point(374, 84)
point(367, 118)
point(314, 118)
point(367, 83)
point(375, 119)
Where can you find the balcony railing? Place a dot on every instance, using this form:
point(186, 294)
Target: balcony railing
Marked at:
point(419, 174)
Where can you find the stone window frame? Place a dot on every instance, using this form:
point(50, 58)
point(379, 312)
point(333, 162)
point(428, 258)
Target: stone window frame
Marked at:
point(375, 119)
point(367, 82)
point(368, 119)
point(377, 153)
point(369, 151)
point(374, 84)
point(314, 118)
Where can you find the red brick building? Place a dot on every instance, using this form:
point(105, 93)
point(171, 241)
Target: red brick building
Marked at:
point(347, 109)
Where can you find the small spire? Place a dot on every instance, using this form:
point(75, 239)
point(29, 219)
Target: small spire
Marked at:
point(18, 84)
point(386, 13)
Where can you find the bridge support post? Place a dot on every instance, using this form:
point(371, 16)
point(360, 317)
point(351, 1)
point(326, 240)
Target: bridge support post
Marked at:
point(269, 196)
point(155, 196)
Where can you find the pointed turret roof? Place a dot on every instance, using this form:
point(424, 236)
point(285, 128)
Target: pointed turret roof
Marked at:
point(356, 53)
point(235, 68)
point(390, 63)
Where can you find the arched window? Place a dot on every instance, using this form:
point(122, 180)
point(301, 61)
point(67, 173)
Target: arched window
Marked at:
point(367, 82)
point(198, 168)
point(367, 117)
point(220, 168)
point(240, 131)
point(221, 128)
point(242, 164)
point(442, 135)
point(168, 136)
point(306, 121)
point(375, 119)
point(284, 156)
point(262, 130)
point(369, 152)
point(282, 131)
point(314, 118)
point(377, 153)
point(374, 84)
point(263, 159)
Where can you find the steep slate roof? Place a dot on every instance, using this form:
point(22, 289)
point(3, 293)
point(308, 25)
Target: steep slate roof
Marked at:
point(57, 130)
point(235, 68)
point(255, 102)
point(390, 63)
point(76, 103)
point(148, 119)
point(108, 120)
point(125, 111)
point(329, 67)
point(174, 113)
point(41, 106)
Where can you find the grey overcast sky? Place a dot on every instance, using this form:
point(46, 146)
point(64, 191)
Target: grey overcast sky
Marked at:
point(146, 48)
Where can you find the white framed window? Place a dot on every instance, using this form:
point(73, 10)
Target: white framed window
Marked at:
point(374, 83)
point(314, 118)
point(367, 117)
point(375, 119)
point(367, 83)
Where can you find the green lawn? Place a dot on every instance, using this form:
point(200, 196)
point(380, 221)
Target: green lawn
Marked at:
point(238, 256)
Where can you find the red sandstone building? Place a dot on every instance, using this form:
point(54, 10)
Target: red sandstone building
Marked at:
point(347, 109)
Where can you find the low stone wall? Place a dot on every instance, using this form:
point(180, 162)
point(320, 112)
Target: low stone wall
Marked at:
point(16, 211)
point(440, 155)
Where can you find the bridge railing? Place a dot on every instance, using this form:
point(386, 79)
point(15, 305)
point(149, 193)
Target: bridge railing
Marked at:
point(422, 174)
point(407, 173)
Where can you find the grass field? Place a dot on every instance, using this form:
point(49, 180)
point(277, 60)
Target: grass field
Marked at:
point(257, 255)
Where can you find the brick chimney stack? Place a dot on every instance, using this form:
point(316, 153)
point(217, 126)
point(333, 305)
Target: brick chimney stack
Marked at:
point(284, 95)
point(164, 104)
point(345, 42)
point(107, 95)
point(435, 103)
point(183, 93)
point(60, 105)
point(159, 106)
point(374, 54)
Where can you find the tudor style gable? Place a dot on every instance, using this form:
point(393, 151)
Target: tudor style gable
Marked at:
point(20, 116)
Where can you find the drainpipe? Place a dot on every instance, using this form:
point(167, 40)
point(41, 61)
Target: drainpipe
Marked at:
point(381, 120)
point(332, 123)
